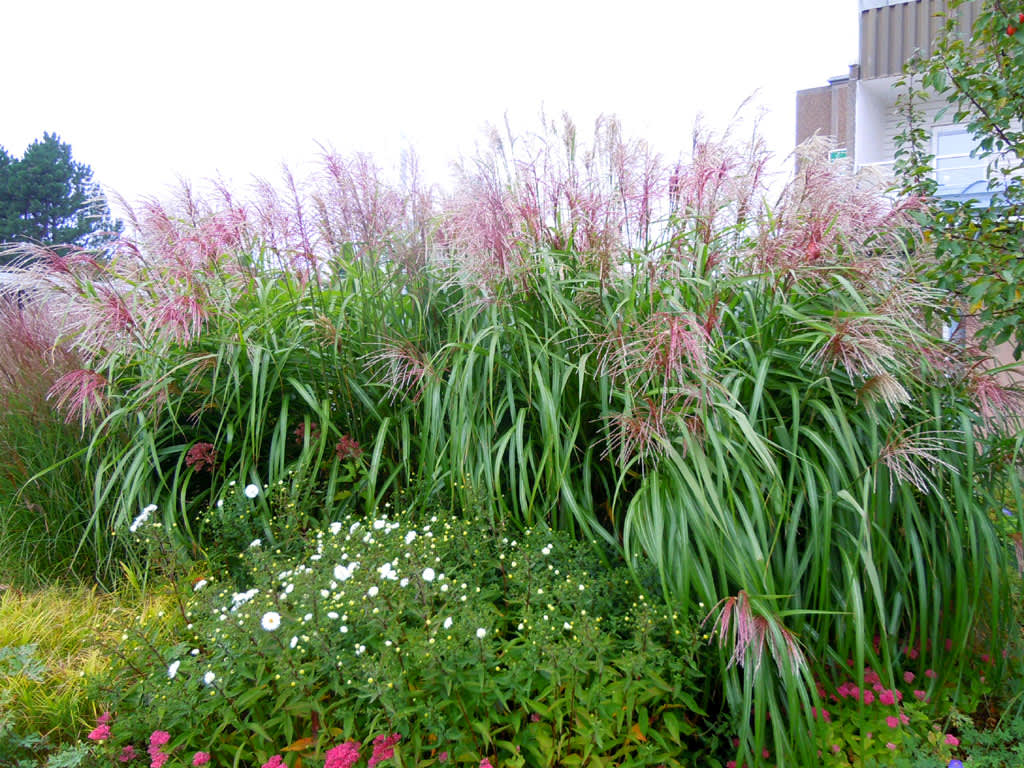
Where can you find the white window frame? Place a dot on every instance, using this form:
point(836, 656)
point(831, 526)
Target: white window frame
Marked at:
point(956, 128)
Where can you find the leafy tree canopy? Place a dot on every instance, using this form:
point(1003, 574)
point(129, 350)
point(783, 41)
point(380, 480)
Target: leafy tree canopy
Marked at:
point(49, 198)
point(980, 247)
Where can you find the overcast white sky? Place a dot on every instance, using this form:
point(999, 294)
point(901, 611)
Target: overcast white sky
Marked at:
point(148, 91)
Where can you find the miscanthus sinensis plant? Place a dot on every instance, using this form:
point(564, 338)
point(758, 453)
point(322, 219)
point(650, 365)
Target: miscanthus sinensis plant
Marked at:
point(736, 386)
point(452, 640)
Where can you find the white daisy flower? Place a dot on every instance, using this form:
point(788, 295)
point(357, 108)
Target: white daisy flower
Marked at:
point(481, 633)
point(428, 574)
point(138, 521)
point(252, 490)
point(208, 678)
point(172, 669)
point(271, 620)
point(342, 573)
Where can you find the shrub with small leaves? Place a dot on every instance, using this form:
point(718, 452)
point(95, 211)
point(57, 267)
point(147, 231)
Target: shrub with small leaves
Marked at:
point(463, 639)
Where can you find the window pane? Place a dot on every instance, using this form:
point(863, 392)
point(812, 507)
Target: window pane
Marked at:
point(957, 175)
point(953, 141)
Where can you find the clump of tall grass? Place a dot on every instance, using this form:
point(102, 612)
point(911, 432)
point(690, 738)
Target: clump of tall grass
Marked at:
point(740, 387)
point(44, 488)
point(52, 640)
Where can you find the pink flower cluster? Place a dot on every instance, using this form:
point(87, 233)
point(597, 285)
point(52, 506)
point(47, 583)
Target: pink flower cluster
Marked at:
point(102, 730)
point(156, 754)
point(348, 448)
point(201, 457)
point(344, 755)
point(383, 748)
point(157, 740)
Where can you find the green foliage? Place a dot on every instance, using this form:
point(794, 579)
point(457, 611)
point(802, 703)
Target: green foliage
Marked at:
point(44, 485)
point(744, 397)
point(999, 747)
point(49, 645)
point(44, 493)
point(978, 246)
point(48, 198)
point(464, 638)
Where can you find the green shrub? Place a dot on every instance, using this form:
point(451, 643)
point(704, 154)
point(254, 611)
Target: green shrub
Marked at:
point(468, 641)
point(51, 642)
point(744, 394)
point(45, 485)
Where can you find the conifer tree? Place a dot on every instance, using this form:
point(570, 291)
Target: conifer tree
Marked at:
point(47, 197)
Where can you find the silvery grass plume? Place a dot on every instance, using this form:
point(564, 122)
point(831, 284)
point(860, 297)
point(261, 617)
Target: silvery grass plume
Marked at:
point(827, 216)
point(884, 388)
point(998, 393)
point(552, 192)
point(31, 358)
point(912, 457)
point(749, 634)
point(401, 366)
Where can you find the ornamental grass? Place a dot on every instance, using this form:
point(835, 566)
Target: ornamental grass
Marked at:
point(747, 390)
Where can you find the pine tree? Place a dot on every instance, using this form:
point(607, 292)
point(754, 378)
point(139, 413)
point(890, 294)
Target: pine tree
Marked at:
point(47, 197)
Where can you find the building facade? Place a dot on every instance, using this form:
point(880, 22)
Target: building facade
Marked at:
point(859, 109)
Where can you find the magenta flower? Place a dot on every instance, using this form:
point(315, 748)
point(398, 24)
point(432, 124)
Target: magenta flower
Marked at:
point(300, 433)
point(952, 740)
point(344, 755)
point(485, 763)
point(892, 721)
point(347, 448)
point(201, 456)
point(156, 740)
point(908, 677)
point(159, 738)
point(274, 762)
point(100, 733)
point(383, 748)
point(127, 754)
point(201, 758)
point(887, 697)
